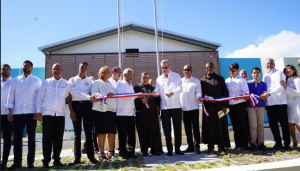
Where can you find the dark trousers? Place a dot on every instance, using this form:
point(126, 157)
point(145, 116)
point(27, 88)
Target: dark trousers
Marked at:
point(94, 137)
point(126, 131)
point(192, 118)
point(83, 113)
point(53, 134)
point(6, 130)
point(278, 113)
point(248, 127)
point(19, 122)
point(237, 116)
point(176, 115)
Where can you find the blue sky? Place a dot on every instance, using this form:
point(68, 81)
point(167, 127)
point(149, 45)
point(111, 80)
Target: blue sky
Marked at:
point(236, 24)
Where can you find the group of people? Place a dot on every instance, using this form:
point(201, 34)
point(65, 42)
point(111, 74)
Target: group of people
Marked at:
point(26, 99)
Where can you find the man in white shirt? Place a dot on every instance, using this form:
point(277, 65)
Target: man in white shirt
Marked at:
point(190, 98)
point(81, 111)
point(276, 104)
point(6, 126)
point(170, 84)
point(52, 96)
point(125, 116)
point(116, 73)
point(21, 109)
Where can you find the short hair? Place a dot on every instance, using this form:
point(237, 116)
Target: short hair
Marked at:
point(256, 68)
point(5, 65)
point(293, 68)
point(126, 71)
point(55, 65)
point(210, 63)
point(28, 61)
point(270, 59)
point(115, 68)
point(165, 61)
point(102, 71)
point(234, 66)
point(83, 63)
point(144, 73)
point(190, 66)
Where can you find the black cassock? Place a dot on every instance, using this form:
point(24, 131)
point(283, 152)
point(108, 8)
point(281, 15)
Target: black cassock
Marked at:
point(214, 129)
point(147, 120)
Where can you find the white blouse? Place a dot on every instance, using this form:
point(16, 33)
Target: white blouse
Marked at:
point(293, 100)
point(101, 88)
point(236, 86)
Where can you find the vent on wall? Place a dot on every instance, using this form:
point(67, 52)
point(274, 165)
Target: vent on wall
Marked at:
point(132, 50)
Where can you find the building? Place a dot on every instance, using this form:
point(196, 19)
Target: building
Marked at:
point(138, 51)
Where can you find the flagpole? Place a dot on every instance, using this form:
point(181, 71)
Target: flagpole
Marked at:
point(119, 42)
point(156, 39)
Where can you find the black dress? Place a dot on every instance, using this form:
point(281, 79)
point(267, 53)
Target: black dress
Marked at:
point(147, 120)
point(214, 129)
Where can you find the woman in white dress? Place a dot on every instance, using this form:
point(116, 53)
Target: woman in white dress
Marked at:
point(105, 114)
point(292, 87)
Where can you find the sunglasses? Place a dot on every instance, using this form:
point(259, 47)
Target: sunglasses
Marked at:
point(186, 69)
point(145, 78)
point(164, 67)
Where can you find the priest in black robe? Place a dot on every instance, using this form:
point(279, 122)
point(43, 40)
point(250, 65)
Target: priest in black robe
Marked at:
point(214, 129)
point(147, 119)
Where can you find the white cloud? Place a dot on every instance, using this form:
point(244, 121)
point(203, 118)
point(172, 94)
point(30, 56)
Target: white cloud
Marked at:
point(284, 44)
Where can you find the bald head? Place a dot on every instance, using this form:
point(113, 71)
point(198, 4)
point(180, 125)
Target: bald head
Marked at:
point(56, 71)
point(244, 74)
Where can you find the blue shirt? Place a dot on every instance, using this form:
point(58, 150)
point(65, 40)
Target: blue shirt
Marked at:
point(258, 90)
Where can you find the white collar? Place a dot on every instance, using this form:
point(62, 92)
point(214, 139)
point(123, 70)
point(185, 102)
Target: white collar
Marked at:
point(7, 79)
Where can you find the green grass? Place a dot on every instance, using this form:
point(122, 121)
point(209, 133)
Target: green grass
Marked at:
point(226, 164)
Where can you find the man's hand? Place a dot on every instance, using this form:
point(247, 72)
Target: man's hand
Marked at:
point(213, 101)
point(199, 100)
point(72, 115)
point(266, 95)
point(169, 94)
point(110, 94)
point(224, 110)
point(144, 100)
point(283, 84)
point(38, 116)
point(9, 117)
point(93, 98)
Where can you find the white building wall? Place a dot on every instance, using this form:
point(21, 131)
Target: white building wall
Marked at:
point(131, 39)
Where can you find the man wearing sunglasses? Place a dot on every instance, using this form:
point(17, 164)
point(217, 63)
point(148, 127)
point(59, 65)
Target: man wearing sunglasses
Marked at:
point(190, 98)
point(169, 86)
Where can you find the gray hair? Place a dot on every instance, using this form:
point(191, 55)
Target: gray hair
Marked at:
point(165, 61)
point(126, 71)
point(270, 59)
point(54, 65)
point(144, 73)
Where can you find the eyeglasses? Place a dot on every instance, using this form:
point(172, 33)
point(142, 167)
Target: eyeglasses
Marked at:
point(232, 70)
point(145, 78)
point(130, 75)
point(164, 67)
point(186, 69)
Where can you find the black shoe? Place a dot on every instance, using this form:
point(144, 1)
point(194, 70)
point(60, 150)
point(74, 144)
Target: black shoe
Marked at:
point(169, 154)
point(262, 147)
point(14, 166)
point(179, 153)
point(75, 161)
point(3, 166)
point(287, 148)
point(145, 154)
point(126, 157)
point(133, 156)
point(221, 149)
point(197, 151)
point(276, 147)
point(253, 147)
point(83, 151)
point(242, 148)
point(30, 166)
point(188, 150)
point(58, 164)
point(93, 160)
point(45, 166)
point(210, 150)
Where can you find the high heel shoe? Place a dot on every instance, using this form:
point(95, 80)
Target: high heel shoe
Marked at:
point(295, 144)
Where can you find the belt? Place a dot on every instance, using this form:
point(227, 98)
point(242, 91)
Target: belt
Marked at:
point(82, 101)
